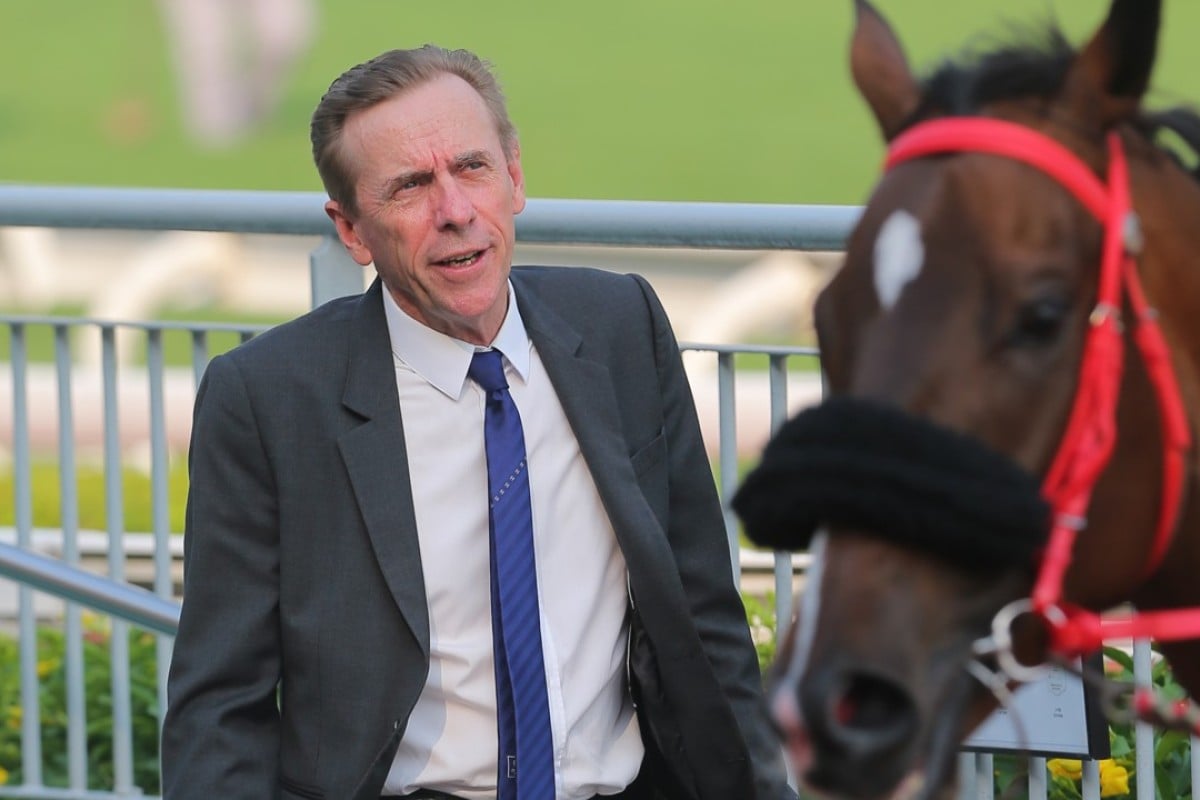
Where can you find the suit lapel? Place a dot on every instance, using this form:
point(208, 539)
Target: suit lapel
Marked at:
point(584, 386)
point(377, 462)
point(585, 389)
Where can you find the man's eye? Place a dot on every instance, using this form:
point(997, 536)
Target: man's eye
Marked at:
point(406, 187)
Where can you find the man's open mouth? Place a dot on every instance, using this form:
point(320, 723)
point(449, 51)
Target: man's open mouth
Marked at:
point(461, 261)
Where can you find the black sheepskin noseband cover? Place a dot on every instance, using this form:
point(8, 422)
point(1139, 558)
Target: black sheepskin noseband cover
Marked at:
point(873, 468)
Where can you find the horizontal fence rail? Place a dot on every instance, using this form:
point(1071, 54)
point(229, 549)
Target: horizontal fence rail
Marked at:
point(130, 603)
point(733, 226)
point(136, 375)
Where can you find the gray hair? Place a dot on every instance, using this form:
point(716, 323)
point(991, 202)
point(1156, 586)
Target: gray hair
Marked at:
point(382, 78)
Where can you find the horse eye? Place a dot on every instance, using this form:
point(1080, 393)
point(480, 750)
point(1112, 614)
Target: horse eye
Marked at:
point(1039, 322)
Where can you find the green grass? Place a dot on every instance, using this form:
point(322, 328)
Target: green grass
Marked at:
point(136, 497)
point(637, 99)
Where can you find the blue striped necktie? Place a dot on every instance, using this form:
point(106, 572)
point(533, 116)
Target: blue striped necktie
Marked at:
point(526, 753)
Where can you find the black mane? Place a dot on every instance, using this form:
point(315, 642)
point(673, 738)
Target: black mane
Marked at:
point(1034, 69)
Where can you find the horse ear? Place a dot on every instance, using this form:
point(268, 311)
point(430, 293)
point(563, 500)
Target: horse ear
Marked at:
point(881, 70)
point(1111, 73)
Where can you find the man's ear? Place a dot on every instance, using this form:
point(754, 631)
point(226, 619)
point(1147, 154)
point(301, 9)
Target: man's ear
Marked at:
point(517, 174)
point(348, 233)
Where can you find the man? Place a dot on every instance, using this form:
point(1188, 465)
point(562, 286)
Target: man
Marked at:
point(352, 621)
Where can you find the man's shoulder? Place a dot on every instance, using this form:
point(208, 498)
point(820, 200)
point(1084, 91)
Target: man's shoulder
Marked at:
point(572, 275)
point(576, 283)
point(322, 329)
point(596, 304)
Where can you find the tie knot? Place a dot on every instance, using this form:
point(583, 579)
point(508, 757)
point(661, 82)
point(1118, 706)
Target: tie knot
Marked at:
point(487, 369)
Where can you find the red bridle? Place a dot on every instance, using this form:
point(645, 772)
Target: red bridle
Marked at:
point(1091, 431)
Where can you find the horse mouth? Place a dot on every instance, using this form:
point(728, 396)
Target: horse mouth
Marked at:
point(920, 766)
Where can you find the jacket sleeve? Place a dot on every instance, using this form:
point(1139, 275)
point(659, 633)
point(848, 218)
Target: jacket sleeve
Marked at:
point(698, 542)
point(221, 731)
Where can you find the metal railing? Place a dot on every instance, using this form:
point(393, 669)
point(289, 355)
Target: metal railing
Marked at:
point(148, 393)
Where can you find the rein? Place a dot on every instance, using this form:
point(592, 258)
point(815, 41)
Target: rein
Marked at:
point(1091, 430)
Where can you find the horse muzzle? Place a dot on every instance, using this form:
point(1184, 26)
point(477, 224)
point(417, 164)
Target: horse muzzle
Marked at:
point(849, 731)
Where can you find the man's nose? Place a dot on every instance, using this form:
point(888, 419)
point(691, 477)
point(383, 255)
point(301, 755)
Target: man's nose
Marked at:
point(454, 206)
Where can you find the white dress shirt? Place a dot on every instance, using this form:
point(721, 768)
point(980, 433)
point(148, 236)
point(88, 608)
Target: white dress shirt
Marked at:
point(450, 743)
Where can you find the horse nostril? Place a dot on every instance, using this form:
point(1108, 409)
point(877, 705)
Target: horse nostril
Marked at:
point(868, 717)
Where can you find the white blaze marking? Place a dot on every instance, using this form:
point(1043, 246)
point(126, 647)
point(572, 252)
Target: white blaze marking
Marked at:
point(809, 608)
point(899, 255)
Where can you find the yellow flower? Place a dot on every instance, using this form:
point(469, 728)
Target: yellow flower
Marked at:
point(46, 666)
point(1114, 779)
point(3, 776)
point(1069, 768)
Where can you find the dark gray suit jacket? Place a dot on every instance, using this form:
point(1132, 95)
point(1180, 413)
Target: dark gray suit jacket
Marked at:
point(304, 638)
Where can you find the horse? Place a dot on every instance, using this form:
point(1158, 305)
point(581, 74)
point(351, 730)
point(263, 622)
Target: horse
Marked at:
point(1011, 350)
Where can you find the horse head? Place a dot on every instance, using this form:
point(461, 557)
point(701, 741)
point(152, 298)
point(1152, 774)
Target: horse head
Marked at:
point(956, 340)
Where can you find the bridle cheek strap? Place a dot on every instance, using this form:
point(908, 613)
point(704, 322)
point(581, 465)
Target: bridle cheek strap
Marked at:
point(1091, 432)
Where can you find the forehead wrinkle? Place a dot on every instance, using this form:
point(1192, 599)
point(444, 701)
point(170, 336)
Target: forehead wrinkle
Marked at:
point(358, 138)
point(410, 144)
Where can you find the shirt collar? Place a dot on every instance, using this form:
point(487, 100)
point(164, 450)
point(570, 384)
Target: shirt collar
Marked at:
point(443, 360)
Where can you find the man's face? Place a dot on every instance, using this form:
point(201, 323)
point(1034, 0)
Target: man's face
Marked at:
point(436, 200)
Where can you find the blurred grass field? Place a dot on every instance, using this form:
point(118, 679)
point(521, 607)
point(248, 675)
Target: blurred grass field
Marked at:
point(635, 99)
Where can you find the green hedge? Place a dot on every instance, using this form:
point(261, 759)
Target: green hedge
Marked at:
point(98, 690)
